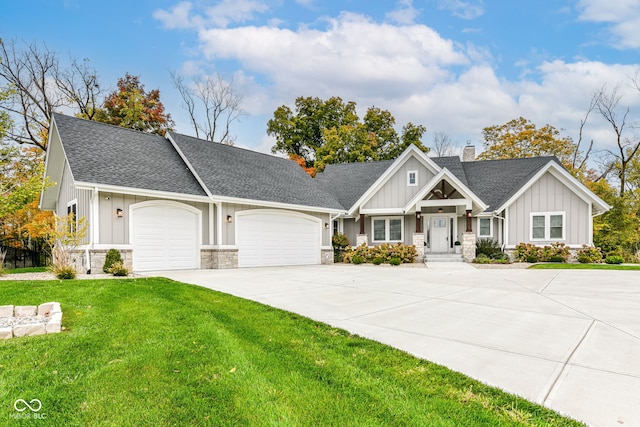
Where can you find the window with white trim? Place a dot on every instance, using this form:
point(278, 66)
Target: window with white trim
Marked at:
point(548, 226)
point(72, 209)
point(484, 227)
point(412, 178)
point(387, 229)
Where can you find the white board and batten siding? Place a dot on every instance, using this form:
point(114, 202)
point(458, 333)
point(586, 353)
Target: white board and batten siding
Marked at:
point(165, 236)
point(548, 194)
point(266, 237)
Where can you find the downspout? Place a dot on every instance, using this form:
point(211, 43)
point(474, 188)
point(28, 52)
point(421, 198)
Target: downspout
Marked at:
point(92, 230)
point(504, 243)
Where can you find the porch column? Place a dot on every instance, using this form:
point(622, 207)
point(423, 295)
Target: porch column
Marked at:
point(468, 215)
point(418, 222)
point(362, 238)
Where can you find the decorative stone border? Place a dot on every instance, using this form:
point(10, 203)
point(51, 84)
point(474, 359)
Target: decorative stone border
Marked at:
point(30, 320)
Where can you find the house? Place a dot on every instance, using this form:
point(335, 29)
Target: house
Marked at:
point(177, 202)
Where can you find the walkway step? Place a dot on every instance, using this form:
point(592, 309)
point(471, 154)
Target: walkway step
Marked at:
point(443, 258)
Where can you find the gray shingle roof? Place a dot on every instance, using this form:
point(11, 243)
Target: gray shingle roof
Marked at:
point(349, 181)
point(454, 165)
point(495, 181)
point(236, 172)
point(104, 154)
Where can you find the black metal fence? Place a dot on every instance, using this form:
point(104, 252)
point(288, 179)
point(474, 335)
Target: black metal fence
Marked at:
point(18, 256)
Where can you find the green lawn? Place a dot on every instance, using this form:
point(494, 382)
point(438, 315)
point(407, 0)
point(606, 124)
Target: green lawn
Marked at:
point(26, 270)
point(152, 352)
point(564, 266)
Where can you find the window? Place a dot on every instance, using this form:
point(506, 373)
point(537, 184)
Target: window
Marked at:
point(387, 229)
point(336, 230)
point(72, 209)
point(484, 227)
point(412, 178)
point(547, 226)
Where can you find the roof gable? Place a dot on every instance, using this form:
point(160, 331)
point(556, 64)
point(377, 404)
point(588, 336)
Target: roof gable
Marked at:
point(495, 181)
point(102, 154)
point(377, 174)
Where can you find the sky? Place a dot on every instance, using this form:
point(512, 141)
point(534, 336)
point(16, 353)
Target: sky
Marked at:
point(454, 66)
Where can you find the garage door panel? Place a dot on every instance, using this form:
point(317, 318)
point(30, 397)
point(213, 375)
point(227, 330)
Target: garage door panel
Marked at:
point(277, 238)
point(165, 237)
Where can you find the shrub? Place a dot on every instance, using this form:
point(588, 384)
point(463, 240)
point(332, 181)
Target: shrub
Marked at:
point(385, 251)
point(64, 272)
point(527, 251)
point(482, 259)
point(118, 269)
point(588, 254)
point(584, 259)
point(614, 259)
point(531, 253)
point(395, 261)
point(377, 261)
point(340, 240)
point(489, 247)
point(357, 259)
point(113, 256)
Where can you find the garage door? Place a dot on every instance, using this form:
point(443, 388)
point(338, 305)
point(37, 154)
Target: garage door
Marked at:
point(164, 236)
point(268, 238)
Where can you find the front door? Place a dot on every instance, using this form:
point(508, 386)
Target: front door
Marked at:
point(440, 234)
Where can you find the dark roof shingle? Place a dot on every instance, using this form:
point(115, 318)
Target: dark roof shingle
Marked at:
point(236, 172)
point(99, 153)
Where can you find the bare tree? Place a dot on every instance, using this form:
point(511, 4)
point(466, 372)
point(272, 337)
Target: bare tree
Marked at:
point(443, 145)
point(213, 105)
point(627, 148)
point(39, 86)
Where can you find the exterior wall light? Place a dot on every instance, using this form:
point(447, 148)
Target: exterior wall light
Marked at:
point(326, 225)
point(119, 213)
point(229, 219)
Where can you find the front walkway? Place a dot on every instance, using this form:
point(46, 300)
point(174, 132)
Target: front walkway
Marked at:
point(568, 339)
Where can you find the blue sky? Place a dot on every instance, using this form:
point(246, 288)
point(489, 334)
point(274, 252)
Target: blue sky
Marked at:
point(454, 66)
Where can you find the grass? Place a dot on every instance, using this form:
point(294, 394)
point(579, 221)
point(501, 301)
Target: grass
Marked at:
point(157, 352)
point(565, 266)
point(26, 270)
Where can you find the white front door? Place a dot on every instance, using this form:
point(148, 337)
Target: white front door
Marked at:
point(440, 234)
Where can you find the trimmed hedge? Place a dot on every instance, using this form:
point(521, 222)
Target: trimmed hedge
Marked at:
point(556, 252)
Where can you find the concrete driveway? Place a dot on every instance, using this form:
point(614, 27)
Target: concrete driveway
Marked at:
point(567, 339)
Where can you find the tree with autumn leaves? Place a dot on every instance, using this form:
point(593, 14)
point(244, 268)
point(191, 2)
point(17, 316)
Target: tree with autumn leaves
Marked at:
point(131, 106)
point(321, 132)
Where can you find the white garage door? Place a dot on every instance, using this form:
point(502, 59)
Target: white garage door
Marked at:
point(164, 236)
point(268, 238)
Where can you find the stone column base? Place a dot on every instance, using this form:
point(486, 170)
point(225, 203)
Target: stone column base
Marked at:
point(418, 242)
point(362, 239)
point(468, 246)
point(326, 256)
point(218, 258)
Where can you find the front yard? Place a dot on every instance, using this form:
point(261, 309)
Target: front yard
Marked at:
point(158, 352)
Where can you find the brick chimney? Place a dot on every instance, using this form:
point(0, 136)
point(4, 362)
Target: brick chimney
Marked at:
point(469, 153)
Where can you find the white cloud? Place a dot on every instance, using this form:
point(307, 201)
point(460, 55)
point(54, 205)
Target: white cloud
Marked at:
point(404, 14)
point(178, 17)
point(224, 13)
point(463, 9)
point(622, 15)
point(409, 70)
